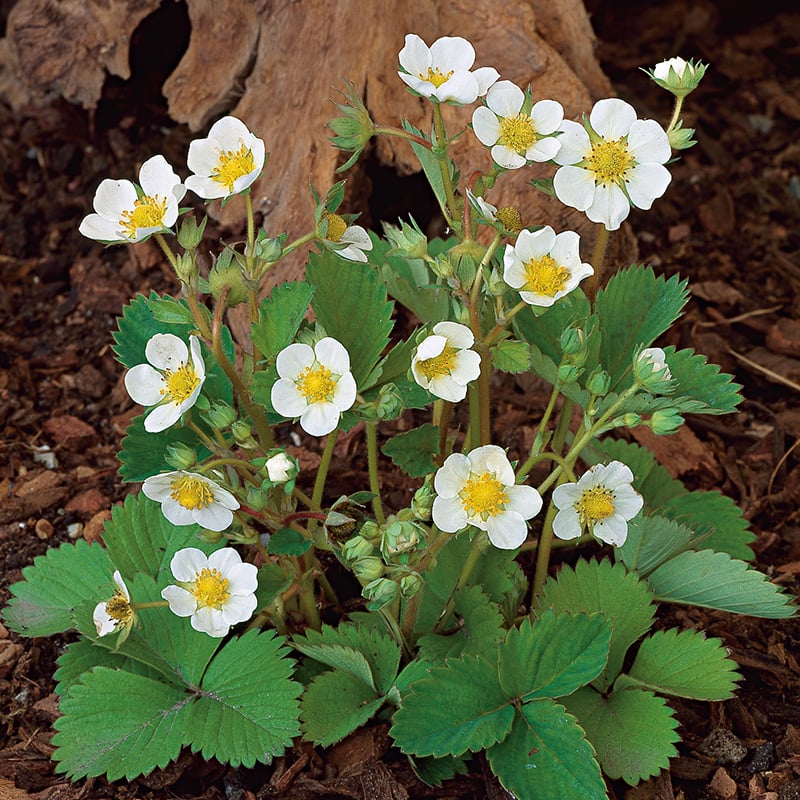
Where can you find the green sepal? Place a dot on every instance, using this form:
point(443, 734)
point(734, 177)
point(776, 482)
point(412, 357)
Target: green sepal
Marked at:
point(414, 451)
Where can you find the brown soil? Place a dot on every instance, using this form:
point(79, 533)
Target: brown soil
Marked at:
point(730, 223)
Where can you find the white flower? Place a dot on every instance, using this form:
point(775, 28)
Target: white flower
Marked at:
point(280, 468)
point(517, 137)
point(678, 76)
point(619, 166)
point(124, 214)
point(479, 489)
point(678, 64)
point(116, 612)
point(226, 162)
point(216, 591)
point(315, 385)
point(656, 358)
point(349, 241)
point(482, 206)
point(444, 364)
point(602, 500)
point(544, 266)
point(442, 71)
point(171, 382)
point(187, 498)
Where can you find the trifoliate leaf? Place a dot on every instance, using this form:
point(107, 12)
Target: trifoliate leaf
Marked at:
point(633, 731)
point(350, 303)
point(684, 664)
point(479, 633)
point(700, 387)
point(279, 317)
point(716, 522)
point(334, 705)
point(634, 308)
point(119, 724)
point(247, 710)
point(414, 451)
point(139, 538)
point(546, 756)
point(512, 356)
point(554, 656)
point(602, 586)
point(55, 585)
point(715, 580)
point(458, 707)
point(652, 541)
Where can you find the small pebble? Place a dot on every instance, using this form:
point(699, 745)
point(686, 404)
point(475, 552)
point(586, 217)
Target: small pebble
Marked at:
point(74, 530)
point(723, 746)
point(44, 530)
point(763, 758)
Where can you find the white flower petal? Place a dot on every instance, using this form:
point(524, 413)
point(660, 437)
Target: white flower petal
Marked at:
point(93, 226)
point(287, 399)
point(157, 178)
point(565, 495)
point(345, 392)
point(646, 182)
point(452, 52)
point(239, 608)
point(181, 602)
point(210, 621)
point(144, 384)
point(543, 149)
point(547, 116)
point(242, 578)
point(460, 88)
point(648, 141)
point(457, 335)
point(205, 187)
point(114, 197)
point(187, 563)
point(610, 206)
point(507, 531)
point(485, 77)
point(103, 623)
point(224, 560)
point(613, 530)
point(507, 158)
point(574, 141)
point(566, 524)
point(612, 117)
point(214, 517)
point(486, 126)
point(162, 417)
point(430, 347)
point(445, 388)
point(452, 475)
point(333, 355)
point(627, 502)
point(505, 99)
point(159, 487)
point(448, 514)
point(415, 57)
point(524, 500)
point(293, 360)
point(468, 367)
point(358, 236)
point(613, 474)
point(320, 419)
point(176, 513)
point(574, 186)
point(166, 351)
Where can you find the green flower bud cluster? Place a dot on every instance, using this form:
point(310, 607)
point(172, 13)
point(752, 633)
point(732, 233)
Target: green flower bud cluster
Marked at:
point(387, 405)
point(574, 348)
point(407, 240)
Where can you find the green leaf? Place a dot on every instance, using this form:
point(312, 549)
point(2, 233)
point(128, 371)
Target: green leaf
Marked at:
point(334, 705)
point(430, 165)
point(458, 707)
point(139, 538)
point(247, 710)
point(361, 650)
point(351, 304)
point(479, 634)
point(602, 586)
point(512, 356)
point(547, 757)
point(434, 771)
point(715, 580)
point(414, 450)
point(700, 387)
point(652, 541)
point(288, 542)
point(684, 664)
point(119, 724)
point(633, 731)
point(553, 657)
point(272, 581)
point(58, 582)
point(634, 308)
point(716, 522)
point(279, 317)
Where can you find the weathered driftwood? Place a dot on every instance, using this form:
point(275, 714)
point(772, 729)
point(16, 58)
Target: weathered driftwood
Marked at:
point(277, 66)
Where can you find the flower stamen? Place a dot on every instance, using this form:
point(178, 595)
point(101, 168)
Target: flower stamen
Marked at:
point(436, 76)
point(443, 364)
point(517, 133)
point(336, 227)
point(191, 492)
point(595, 505)
point(148, 212)
point(316, 384)
point(610, 160)
point(484, 496)
point(180, 383)
point(545, 276)
point(210, 588)
point(233, 165)
point(119, 609)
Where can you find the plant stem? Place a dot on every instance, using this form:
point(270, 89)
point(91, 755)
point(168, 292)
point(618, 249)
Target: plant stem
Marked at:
point(371, 427)
point(543, 553)
point(401, 134)
point(598, 257)
point(167, 250)
point(676, 112)
point(539, 437)
point(444, 423)
point(479, 545)
point(444, 167)
point(322, 470)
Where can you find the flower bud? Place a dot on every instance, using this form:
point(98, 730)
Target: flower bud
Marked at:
point(180, 456)
point(281, 468)
point(599, 382)
point(190, 234)
point(422, 502)
point(407, 240)
point(356, 549)
point(368, 569)
point(399, 537)
point(631, 420)
point(227, 276)
point(354, 128)
point(380, 592)
point(442, 267)
point(680, 138)
point(665, 421)
point(411, 584)
point(495, 285)
point(241, 431)
point(220, 415)
point(651, 371)
point(569, 373)
point(572, 339)
point(370, 531)
point(268, 248)
point(186, 269)
point(678, 76)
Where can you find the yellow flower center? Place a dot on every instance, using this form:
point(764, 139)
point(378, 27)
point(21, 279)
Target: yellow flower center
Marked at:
point(510, 218)
point(180, 383)
point(484, 496)
point(517, 133)
point(210, 588)
point(594, 505)
point(191, 492)
point(148, 212)
point(436, 76)
point(443, 364)
point(336, 227)
point(119, 609)
point(233, 165)
point(316, 384)
point(545, 276)
point(610, 161)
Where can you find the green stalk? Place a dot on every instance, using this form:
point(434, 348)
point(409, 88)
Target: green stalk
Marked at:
point(675, 114)
point(371, 427)
point(322, 470)
point(479, 545)
point(444, 168)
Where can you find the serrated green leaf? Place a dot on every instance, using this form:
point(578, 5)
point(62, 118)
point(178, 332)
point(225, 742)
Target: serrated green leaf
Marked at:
point(139, 538)
point(717, 523)
point(279, 317)
point(700, 387)
point(350, 303)
point(334, 705)
point(119, 724)
point(634, 309)
point(288, 542)
point(434, 771)
point(633, 731)
point(512, 356)
point(414, 451)
point(553, 657)
point(272, 581)
point(430, 166)
point(55, 585)
point(479, 634)
point(652, 541)
point(546, 368)
point(683, 664)
point(458, 707)
point(715, 580)
point(248, 709)
point(602, 586)
point(546, 756)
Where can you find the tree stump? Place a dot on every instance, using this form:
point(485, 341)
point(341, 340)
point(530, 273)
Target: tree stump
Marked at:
point(277, 65)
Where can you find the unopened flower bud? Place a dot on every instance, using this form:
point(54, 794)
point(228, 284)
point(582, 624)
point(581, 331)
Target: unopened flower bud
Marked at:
point(410, 584)
point(681, 138)
point(180, 456)
point(572, 339)
point(651, 371)
point(268, 248)
point(407, 240)
point(666, 421)
point(495, 285)
point(281, 468)
point(569, 373)
point(631, 420)
point(442, 267)
point(227, 276)
point(399, 537)
point(354, 128)
point(368, 569)
point(190, 234)
point(241, 430)
point(422, 502)
point(370, 531)
point(678, 76)
point(599, 382)
point(186, 269)
point(380, 592)
point(356, 549)
point(220, 415)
